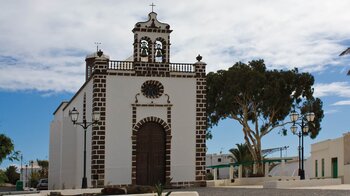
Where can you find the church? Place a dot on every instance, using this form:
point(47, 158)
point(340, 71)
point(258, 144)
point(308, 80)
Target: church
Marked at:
point(151, 125)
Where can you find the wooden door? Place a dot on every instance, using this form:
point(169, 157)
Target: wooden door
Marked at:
point(150, 154)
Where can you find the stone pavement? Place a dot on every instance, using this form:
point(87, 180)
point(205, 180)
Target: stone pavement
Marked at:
point(334, 190)
point(259, 191)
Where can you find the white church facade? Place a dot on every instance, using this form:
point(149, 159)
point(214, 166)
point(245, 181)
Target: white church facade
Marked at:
point(152, 125)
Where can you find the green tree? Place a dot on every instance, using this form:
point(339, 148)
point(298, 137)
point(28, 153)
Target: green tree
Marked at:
point(34, 179)
point(12, 174)
point(3, 177)
point(44, 168)
point(241, 155)
point(7, 149)
point(260, 100)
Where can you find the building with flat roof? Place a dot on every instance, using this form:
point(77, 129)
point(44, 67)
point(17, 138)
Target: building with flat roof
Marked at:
point(331, 159)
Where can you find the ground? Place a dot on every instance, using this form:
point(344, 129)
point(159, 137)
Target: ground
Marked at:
point(229, 191)
point(335, 190)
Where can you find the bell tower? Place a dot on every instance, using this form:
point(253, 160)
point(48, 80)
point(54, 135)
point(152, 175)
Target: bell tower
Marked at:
point(152, 40)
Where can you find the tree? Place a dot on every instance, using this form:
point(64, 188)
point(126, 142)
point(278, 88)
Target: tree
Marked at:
point(3, 177)
point(44, 168)
point(12, 174)
point(260, 100)
point(34, 179)
point(7, 149)
point(241, 155)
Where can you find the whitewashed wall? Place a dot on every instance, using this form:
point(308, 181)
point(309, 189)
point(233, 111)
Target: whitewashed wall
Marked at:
point(55, 149)
point(120, 94)
point(66, 144)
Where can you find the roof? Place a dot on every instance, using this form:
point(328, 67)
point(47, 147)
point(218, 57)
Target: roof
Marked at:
point(152, 23)
point(63, 102)
point(95, 55)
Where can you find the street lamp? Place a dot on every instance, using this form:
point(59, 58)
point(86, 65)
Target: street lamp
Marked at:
point(74, 114)
point(31, 173)
point(26, 180)
point(308, 117)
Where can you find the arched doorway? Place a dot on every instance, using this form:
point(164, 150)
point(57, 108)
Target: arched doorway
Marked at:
point(150, 154)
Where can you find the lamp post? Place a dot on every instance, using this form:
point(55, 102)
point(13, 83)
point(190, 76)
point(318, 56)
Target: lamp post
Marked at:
point(74, 114)
point(31, 173)
point(308, 117)
point(26, 180)
point(22, 175)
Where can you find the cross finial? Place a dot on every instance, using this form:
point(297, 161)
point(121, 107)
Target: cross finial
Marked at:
point(97, 43)
point(152, 6)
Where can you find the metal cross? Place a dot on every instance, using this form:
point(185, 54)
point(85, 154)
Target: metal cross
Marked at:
point(152, 6)
point(97, 43)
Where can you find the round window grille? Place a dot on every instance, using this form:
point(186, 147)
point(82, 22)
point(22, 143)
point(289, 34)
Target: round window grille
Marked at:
point(152, 89)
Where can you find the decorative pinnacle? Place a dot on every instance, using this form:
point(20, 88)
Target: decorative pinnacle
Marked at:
point(99, 53)
point(199, 58)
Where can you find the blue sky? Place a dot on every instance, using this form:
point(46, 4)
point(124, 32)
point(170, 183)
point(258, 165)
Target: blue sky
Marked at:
point(44, 44)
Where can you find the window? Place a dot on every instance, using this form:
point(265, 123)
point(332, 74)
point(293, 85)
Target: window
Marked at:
point(316, 172)
point(219, 160)
point(322, 167)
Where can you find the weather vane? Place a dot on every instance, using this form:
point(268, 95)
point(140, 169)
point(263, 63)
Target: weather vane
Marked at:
point(97, 43)
point(152, 6)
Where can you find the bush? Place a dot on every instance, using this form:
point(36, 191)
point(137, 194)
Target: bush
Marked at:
point(209, 176)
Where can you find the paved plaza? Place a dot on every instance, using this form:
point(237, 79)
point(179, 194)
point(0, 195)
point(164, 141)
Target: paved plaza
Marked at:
point(257, 191)
point(335, 190)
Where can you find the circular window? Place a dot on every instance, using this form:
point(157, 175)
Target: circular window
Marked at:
point(152, 89)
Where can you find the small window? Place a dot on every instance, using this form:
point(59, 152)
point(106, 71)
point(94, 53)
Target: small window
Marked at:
point(219, 160)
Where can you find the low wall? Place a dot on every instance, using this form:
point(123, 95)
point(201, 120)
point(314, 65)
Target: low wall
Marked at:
point(214, 183)
point(80, 191)
point(249, 181)
point(261, 180)
point(302, 183)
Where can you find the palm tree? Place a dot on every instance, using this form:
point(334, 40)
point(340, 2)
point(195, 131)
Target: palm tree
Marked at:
point(242, 155)
point(346, 52)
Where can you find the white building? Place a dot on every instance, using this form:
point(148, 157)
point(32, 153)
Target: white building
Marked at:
point(153, 122)
point(331, 159)
point(26, 172)
point(219, 159)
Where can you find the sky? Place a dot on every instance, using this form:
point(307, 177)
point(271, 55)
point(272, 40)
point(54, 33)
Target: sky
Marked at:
point(44, 45)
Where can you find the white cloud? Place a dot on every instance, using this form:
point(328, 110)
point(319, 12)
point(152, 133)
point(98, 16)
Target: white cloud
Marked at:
point(331, 111)
point(287, 34)
point(341, 89)
point(341, 103)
